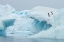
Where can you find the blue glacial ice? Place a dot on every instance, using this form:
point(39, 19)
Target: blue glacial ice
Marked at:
point(39, 22)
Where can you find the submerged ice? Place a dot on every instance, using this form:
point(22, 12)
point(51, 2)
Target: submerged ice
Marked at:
point(39, 22)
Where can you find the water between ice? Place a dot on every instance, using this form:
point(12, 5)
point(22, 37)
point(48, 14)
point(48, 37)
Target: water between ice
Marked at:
point(19, 39)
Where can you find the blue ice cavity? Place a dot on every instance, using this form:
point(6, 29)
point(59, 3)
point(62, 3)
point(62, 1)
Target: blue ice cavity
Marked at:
point(40, 25)
point(3, 32)
point(6, 23)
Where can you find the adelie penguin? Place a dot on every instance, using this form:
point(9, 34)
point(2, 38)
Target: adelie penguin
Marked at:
point(48, 14)
point(52, 13)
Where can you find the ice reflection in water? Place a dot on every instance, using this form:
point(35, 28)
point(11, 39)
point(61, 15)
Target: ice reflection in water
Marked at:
point(18, 39)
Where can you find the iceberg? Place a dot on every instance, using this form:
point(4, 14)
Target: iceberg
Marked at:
point(56, 30)
point(39, 22)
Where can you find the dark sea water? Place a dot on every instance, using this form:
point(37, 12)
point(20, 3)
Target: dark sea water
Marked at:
point(19, 39)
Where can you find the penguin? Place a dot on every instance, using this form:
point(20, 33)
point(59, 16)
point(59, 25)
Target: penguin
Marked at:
point(48, 14)
point(51, 12)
